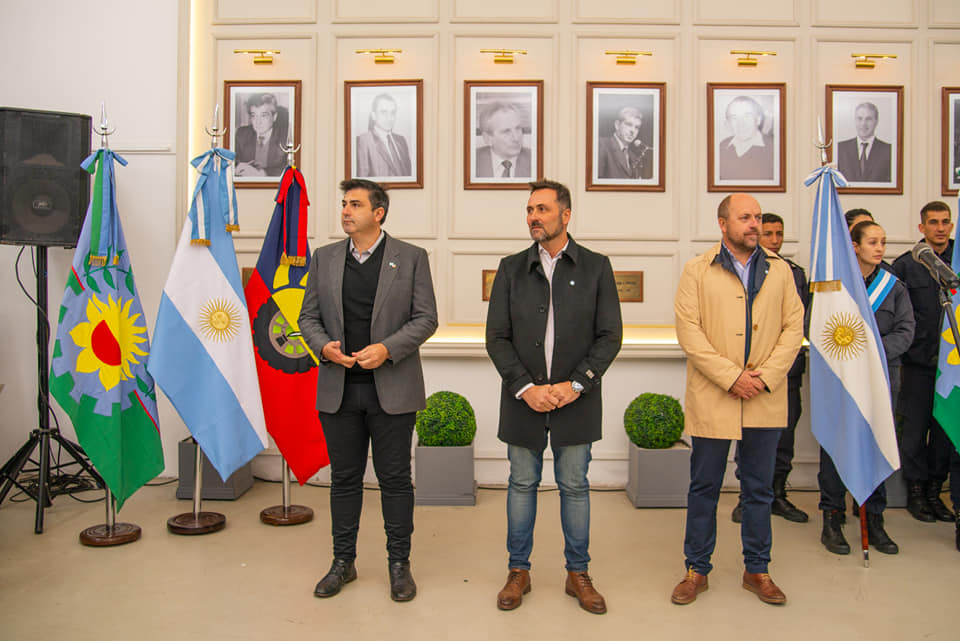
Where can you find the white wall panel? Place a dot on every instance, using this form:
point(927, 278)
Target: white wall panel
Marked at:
point(659, 285)
point(503, 11)
point(736, 12)
point(865, 13)
point(627, 11)
point(259, 12)
point(944, 13)
point(385, 10)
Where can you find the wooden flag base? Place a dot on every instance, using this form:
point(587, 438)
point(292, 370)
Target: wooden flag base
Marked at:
point(286, 515)
point(104, 535)
point(196, 523)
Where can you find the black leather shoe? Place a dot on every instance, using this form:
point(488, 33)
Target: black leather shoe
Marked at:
point(832, 535)
point(937, 508)
point(782, 506)
point(402, 587)
point(917, 502)
point(341, 572)
point(877, 536)
point(737, 515)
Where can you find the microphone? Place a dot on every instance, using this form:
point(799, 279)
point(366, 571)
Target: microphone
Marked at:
point(939, 270)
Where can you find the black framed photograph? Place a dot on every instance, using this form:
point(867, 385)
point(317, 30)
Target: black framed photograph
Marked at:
point(950, 141)
point(503, 133)
point(746, 140)
point(384, 132)
point(625, 136)
point(865, 127)
point(258, 120)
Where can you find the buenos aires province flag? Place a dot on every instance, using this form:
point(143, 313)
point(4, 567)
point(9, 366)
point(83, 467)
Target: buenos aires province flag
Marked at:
point(202, 355)
point(851, 415)
point(946, 400)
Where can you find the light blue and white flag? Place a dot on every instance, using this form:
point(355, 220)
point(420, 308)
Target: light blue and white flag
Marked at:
point(851, 415)
point(202, 356)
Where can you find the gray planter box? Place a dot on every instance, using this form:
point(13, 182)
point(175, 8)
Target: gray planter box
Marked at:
point(213, 488)
point(896, 488)
point(659, 478)
point(444, 476)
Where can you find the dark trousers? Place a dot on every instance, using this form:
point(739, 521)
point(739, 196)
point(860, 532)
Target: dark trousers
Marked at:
point(708, 461)
point(833, 491)
point(785, 447)
point(955, 479)
point(360, 422)
point(924, 448)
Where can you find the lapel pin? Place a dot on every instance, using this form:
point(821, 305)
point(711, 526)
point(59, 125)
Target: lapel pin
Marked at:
point(572, 283)
point(392, 264)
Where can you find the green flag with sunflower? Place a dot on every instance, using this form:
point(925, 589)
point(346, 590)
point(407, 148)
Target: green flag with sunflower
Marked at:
point(98, 373)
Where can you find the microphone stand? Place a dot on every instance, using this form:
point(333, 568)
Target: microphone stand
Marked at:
point(947, 303)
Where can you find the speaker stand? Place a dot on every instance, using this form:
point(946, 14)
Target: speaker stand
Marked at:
point(41, 437)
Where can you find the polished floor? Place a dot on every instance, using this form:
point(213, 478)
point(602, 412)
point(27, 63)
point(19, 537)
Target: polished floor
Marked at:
point(253, 581)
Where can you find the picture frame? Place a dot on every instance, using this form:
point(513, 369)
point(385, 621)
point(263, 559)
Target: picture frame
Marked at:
point(746, 137)
point(257, 119)
point(383, 132)
point(871, 113)
point(502, 133)
point(626, 135)
point(950, 141)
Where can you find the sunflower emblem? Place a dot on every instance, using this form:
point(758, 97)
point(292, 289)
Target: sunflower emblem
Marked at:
point(219, 320)
point(953, 358)
point(844, 336)
point(109, 340)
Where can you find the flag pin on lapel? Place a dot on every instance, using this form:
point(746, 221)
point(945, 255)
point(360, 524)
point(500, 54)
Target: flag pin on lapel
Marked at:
point(392, 264)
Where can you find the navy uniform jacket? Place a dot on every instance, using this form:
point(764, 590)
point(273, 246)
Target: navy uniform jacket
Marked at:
point(925, 298)
point(795, 375)
point(587, 334)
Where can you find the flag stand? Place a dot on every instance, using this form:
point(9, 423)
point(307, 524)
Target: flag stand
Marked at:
point(864, 540)
point(111, 532)
point(197, 522)
point(286, 514)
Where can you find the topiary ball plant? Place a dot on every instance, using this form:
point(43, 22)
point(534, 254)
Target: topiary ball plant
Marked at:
point(653, 421)
point(447, 421)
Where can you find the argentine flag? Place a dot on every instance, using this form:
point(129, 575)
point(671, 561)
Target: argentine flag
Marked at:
point(851, 414)
point(202, 356)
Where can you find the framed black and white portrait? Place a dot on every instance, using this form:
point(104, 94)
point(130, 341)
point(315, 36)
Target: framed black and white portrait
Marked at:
point(259, 117)
point(384, 131)
point(950, 141)
point(865, 125)
point(746, 142)
point(625, 136)
point(503, 133)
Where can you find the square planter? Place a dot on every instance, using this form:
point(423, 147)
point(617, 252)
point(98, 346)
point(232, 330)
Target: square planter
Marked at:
point(213, 488)
point(896, 489)
point(659, 478)
point(444, 476)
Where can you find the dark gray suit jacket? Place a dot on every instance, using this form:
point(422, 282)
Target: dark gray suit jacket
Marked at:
point(484, 166)
point(587, 333)
point(404, 317)
point(876, 166)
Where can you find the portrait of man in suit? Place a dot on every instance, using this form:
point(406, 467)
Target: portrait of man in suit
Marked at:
point(380, 152)
point(259, 144)
point(624, 155)
point(865, 158)
point(503, 154)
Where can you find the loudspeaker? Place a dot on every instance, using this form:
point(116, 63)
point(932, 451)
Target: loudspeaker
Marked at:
point(43, 191)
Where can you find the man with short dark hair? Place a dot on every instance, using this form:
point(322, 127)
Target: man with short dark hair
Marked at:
point(259, 143)
point(553, 328)
point(380, 152)
point(740, 323)
point(865, 158)
point(367, 307)
point(623, 155)
point(924, 447)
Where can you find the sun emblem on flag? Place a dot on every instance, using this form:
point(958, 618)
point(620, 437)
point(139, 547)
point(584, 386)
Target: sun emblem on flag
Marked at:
point(844, 336)
point(109, 340)
point(953, 358)
point(219, 320)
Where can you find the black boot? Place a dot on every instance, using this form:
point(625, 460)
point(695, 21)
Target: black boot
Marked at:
point(917, 502)
point(737, 515)
point(877, 536)
point(402, 587)
point(781, 506)
point(832, 535)
point(939, 510)
point(958, 528)
point(341, 573)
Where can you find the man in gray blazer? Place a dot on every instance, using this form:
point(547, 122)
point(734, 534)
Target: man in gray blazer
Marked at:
point(553, 328)
point(367, 308)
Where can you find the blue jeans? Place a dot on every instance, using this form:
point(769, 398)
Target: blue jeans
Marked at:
point(708, 461)
point(570, 465)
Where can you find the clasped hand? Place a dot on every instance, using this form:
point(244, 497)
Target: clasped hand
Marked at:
point(370, 357)
point(544, 398)
point(747, 385)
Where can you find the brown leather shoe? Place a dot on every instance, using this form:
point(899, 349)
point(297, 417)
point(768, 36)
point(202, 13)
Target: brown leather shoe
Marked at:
point(580, 585)
point(688, 589)
point(518, 584)
point(764, 587)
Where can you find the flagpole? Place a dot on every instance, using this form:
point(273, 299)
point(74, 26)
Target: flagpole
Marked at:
point(197, 522)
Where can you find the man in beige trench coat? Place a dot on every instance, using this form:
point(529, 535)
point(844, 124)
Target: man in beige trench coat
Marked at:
point(740, 323)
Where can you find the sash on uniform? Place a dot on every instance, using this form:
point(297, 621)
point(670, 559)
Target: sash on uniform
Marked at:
point(879, 288)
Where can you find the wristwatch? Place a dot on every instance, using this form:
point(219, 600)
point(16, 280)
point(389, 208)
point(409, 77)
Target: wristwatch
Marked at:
point(577, 387)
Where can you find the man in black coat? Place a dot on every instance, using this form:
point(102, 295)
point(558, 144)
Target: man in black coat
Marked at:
point(553, 328)
point(924, 447)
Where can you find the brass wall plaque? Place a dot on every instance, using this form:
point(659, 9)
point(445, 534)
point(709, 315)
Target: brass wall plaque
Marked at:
point(629, 286)
point(487, 283)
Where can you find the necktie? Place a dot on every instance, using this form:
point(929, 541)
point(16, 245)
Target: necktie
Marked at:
point(394, 156)
point(863, 157)
point(506, 169)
